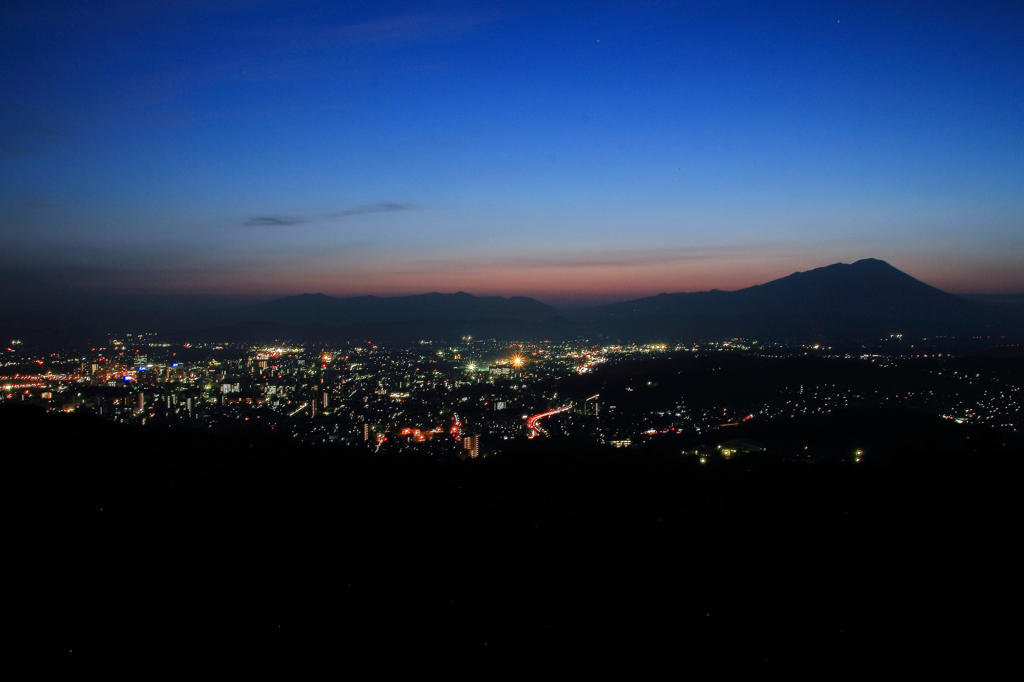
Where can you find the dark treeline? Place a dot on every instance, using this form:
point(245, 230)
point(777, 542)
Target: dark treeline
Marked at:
point(141, 541)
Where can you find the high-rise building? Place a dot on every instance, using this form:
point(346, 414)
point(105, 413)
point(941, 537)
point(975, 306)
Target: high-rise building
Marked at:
point(472, 445)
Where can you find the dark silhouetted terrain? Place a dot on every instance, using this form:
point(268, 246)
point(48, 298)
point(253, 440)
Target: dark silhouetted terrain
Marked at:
point(153, 543)
point(869, 299)
point(869, 287)
point(1015, 301)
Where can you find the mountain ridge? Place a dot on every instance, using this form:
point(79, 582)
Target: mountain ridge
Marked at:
point(322, 309)
point(869, 287)
point(868, 296)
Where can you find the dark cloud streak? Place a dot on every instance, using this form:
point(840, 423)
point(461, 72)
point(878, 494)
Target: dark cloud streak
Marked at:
point(384, 207)
point(272, 221)
point(281, 221)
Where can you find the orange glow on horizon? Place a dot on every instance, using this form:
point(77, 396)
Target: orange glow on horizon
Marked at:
point(557, 283)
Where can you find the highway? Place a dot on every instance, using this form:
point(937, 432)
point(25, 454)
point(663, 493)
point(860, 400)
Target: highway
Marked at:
point(535, 428)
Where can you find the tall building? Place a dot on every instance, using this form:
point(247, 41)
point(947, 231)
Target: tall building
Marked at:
point(472, 445)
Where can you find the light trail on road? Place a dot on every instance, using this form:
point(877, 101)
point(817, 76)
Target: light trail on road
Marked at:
point(535, 428)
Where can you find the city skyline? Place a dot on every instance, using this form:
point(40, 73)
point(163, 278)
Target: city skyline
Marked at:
point(577, 155)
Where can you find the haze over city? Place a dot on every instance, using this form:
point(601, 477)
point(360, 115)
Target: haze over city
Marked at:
point(219, 153)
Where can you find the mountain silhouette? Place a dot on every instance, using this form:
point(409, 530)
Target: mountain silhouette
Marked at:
point(866, 299)
point(842, 301)
point(308, 309)
point(866, 288)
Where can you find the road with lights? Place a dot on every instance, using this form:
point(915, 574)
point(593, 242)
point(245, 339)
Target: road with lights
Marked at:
point(535, 428)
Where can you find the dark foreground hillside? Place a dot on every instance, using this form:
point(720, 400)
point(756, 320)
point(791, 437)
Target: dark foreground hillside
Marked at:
point(138, 543)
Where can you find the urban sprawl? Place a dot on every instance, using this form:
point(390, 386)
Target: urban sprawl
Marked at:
point(470, 398)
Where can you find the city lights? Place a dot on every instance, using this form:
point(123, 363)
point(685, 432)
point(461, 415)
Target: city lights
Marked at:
point(328, 395)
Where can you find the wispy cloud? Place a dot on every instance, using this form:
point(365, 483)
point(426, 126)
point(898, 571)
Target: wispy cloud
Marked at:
point(383, 207)
point(283, 221)
point(273, 221)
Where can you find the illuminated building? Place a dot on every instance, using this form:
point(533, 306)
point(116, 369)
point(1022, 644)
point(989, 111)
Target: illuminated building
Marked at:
point(741, 446)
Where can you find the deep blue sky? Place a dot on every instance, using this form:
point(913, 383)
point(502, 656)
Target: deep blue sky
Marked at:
point(587, 151)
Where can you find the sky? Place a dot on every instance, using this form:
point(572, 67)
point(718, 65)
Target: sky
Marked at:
point(170, 152)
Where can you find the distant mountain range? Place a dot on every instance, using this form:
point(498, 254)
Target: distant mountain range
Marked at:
point(869, 287)
point(1015, 301)
point(868, 297)
point(321, 309)
point(302, 310)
